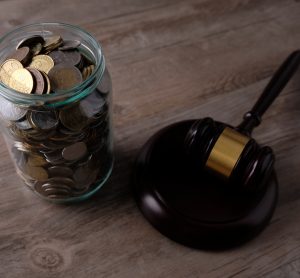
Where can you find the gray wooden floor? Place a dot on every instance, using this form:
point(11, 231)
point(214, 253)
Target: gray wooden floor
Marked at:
point(170, 60)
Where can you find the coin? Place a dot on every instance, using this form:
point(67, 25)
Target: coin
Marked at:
point(36, 49)
point(70, 45)
point(53, 190)
point(31, 41)
point(23, 125)
point(36, 160)
point(60, 171)
point(52, 43)
point(21, 80)
point(64, 76)
point(54, 157)
point(42, 62)
point(11, 111)
point(87, 72)
point(47, 88)
point(55, 185)
point(92, 105)
point(62, 180)
point(75, 151)
point(37, 173)
point(50, 189)
point(43, 120)
point(39, 82)
point(73, 57)
point(84, 177)
point(7, 68)
point(22, 55)
point(58, 57)
point(72, 118)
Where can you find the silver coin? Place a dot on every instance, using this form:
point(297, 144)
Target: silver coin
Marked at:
point(54, 156)
point(70, 45)
point(44, 120)
point(11, 111)
point(23, 125)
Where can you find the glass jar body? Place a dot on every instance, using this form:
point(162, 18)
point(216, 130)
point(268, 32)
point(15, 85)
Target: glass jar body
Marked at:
point(61, 144)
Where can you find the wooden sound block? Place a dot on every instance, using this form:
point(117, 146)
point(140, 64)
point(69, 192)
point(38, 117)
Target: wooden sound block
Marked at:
point(191, 207)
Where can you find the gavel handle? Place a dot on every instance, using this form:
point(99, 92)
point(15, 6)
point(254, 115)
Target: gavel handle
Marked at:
point(271, 91)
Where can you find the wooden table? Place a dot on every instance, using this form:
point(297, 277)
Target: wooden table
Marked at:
point(170, 60)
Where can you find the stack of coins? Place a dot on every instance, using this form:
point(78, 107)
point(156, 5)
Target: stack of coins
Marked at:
point(62, 152)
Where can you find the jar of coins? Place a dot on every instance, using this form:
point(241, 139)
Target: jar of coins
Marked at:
point(55, 102)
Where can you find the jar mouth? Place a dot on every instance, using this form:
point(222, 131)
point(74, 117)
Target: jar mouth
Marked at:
point(69, 95)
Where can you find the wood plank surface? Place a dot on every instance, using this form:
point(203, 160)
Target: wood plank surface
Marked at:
point(170, 60)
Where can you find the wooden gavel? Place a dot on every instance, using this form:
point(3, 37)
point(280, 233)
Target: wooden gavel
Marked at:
point(230, 152)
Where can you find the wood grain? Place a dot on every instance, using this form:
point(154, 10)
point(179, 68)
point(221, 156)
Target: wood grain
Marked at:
point(170, 61)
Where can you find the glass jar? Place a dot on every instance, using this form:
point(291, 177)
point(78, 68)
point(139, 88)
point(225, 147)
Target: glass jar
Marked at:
point(60, 143)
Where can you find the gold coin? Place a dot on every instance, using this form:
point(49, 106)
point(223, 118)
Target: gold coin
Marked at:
point(36, 173)
point(52, 40)
point(21, 80)
point(7, 68)
point(36, 160)
point(52, 43)
point(42, 63)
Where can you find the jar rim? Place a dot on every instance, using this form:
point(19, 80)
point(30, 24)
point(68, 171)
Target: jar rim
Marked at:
point(94, 78)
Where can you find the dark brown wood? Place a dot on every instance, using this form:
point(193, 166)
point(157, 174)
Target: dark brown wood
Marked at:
point(191, 206)
point(170, 60)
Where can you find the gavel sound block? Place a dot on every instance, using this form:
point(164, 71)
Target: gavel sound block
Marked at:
point(206, 184)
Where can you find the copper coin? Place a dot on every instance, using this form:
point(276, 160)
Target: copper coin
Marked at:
point(64, 76)
point(60, 171)
point(70, 45)
point(92, 105)
point(62, 180)
point(39, 85)
point(22, 55)
point(58, 57)
point(52, 42)
point(72, 118)
point(47, 89)
point(75, 151)
point(73, 57)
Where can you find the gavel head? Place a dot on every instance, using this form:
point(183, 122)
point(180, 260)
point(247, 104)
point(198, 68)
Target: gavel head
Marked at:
point(229, 154)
